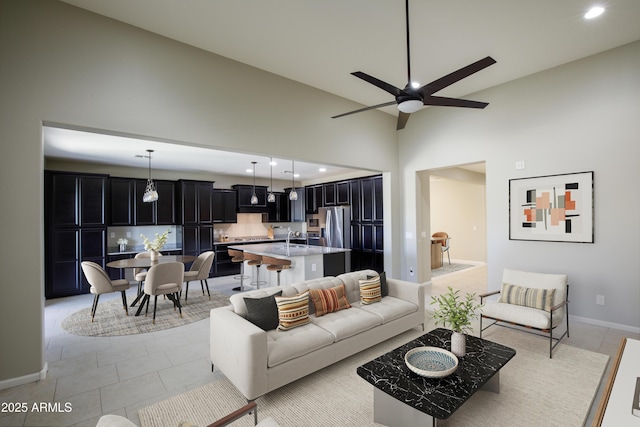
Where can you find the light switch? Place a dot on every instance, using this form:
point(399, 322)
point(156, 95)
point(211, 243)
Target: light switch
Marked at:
point(520, 164)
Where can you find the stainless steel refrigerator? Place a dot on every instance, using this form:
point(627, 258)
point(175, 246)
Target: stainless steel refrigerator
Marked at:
point(337, 229)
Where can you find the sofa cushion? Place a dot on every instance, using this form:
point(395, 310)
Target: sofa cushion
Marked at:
point(347, 323)
point(329, 300)
point(384, 286)
point(370, 292)
point(283, 346)
point(293, 311)
point(263, 312)
point(389, 308)
point(539, 298)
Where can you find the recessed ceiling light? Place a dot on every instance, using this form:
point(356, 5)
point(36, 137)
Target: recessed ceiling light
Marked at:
point(322, 169)
point(594, 12)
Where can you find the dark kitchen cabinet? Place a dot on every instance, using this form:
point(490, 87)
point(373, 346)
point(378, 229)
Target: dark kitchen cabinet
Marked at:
point(329, 194)
point(367, 230)
point(75, 229)
point(127, 207)
point(224, 206)
point(195, 201)
point(121, 199)
point(297, 208)
point(355, 194)
point(279, 211)
point(166, 204)
point(223, 266)
point(342, 193)
point(314, 198)
point(144, 213)
point(244, 194)
point(197, 239)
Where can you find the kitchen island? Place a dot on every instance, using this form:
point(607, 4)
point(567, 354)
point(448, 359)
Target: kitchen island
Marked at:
point(307, 262)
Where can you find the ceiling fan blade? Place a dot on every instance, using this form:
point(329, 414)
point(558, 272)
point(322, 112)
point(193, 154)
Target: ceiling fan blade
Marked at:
point(379, 83)
point(453, 102)
point(456, 76)
point(373, 107)
point(402, 120)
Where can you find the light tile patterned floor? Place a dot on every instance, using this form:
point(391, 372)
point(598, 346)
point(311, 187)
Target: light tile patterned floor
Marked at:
point(119, 375)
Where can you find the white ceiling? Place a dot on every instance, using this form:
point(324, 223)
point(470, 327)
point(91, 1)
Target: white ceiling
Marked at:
point(320, 42)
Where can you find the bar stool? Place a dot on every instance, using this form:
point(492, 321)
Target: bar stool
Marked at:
point(238, 256)
point(256, 261)
point(276, 264)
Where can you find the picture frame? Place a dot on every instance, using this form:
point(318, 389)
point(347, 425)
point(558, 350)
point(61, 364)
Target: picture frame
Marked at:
point(552, 208)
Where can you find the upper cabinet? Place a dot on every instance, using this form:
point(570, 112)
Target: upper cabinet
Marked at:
point(195, 202)
point(297, 208)
point(314, 198)
point(244, 194)
point(329, 194)
point(279, 211)
point(127, 208)
point(224, 206)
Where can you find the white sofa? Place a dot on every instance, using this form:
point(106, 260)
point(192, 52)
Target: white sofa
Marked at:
point(258, 361)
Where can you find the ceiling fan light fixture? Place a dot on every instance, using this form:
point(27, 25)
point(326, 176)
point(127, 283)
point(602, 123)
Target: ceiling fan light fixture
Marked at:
point(410, 106)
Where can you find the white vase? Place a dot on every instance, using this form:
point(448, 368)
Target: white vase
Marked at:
point(458, 344)
point(153, 255)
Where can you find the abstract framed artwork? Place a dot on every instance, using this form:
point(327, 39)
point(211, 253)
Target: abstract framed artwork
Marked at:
point(552, 208)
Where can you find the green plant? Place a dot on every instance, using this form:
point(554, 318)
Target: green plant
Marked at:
point(454, 311)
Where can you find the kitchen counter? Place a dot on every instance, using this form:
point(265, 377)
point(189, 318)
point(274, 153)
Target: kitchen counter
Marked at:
point(307, 262)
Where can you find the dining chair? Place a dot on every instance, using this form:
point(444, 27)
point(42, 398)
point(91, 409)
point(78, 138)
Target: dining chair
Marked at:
point(199, 270)
point(163, 279)
point(102, 284)
point(140, 274)
point(444, 242)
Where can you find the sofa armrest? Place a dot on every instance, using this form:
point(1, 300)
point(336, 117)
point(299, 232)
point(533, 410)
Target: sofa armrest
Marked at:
point(408, 291)
point(239, 349)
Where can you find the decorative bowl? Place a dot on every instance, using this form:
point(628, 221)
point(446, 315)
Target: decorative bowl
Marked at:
point(431, 362)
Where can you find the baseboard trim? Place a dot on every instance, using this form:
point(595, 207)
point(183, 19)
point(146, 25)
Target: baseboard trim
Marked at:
point(25, 379)
point(604, 324)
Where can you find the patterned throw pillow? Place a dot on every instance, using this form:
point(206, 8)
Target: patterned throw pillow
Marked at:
point(293, 311)
point(384, 287)
point(370, 291)
point(539, 298)
point(329, 300)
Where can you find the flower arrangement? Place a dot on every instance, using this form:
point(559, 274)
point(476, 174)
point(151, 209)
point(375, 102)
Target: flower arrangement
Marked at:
point(157, 244)
point(455, 312)
point(123, 241)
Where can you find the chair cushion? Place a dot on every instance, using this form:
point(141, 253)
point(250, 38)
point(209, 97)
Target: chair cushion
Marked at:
point(519, 314)
point(329, 300)
point(190, 275)
point(263, 312)
point(293, 311)
point(370, 291)
point(167, 288)
point(539, 298)
point(120, 285)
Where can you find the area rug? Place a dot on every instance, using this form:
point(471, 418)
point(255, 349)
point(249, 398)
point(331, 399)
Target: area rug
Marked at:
point(111, 320)
point(449, 268)
point(535, 391)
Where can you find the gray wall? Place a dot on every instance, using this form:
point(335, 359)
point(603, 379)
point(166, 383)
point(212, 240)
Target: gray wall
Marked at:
point(61, 64)
point(583, 116)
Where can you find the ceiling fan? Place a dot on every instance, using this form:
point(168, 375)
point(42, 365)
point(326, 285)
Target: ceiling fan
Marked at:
point(411, 99)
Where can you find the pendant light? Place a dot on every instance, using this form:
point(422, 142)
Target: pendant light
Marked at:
point(271, 198)
point(293, 195)
point(150, 192)
point(254, 198)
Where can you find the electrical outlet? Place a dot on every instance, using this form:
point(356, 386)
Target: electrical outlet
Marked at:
point(520, 164)
point(313, 267)
point(128, 234)
point(600, 299)
point(113, 235)
point(411, 271)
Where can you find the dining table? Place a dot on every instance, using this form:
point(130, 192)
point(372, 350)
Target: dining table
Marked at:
point(148, 263)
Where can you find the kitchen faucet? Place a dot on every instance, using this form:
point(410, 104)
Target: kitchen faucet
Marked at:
point(289, 239)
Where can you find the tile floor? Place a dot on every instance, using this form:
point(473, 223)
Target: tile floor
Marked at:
point(119, 375)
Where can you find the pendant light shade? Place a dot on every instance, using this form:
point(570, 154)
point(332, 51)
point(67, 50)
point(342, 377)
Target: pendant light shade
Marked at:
point(293, 195)
point(271, 198)
point(150, 192)
point(254, 198)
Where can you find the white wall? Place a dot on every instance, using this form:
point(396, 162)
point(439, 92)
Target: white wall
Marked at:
point(61, 64)
point(458, 208)
point(582, 116)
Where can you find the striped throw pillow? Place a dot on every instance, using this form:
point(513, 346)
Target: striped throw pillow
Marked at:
point(293, 311)
point(539, 298)
point(329, 300)
point(370, 291)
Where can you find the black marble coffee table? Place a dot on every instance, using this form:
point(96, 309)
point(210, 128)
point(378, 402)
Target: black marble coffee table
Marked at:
point(402, 397)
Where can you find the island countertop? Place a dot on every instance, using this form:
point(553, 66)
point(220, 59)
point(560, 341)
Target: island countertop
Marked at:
point(280, 249)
